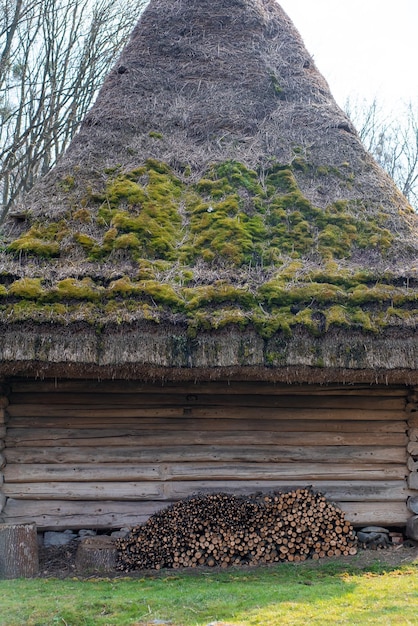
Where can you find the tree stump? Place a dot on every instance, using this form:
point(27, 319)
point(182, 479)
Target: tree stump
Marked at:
point(96, 555)
point(18, 551)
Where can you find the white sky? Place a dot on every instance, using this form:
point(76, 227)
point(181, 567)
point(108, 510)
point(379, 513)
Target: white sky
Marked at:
point(364, 48)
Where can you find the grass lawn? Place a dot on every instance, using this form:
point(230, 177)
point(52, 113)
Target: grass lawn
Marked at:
point(329, 593)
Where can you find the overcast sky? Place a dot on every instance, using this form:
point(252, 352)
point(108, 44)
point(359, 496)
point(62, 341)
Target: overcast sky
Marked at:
point(364, 48)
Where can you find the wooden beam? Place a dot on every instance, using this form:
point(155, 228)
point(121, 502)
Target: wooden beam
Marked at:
point(84, 399)
point(364, 491)
point(32, 437)
point(376, 513)
point(191, 423)
point(53, 478)
point(347, 490)
point(255, 454)
point(230, 412)
point(227, 387)
point(54, 515)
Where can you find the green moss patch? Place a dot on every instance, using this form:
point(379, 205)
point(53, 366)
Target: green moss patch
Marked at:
point(170, 236)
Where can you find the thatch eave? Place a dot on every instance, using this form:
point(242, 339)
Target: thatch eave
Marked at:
point(166, 353)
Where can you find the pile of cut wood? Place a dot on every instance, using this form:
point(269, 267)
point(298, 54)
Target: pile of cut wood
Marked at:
point(224, 530)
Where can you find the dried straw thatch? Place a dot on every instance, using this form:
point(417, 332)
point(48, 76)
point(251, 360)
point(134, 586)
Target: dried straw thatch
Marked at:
point(216, 216)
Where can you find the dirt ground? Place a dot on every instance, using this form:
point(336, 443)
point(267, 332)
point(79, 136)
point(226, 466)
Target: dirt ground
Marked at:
point(59, 562)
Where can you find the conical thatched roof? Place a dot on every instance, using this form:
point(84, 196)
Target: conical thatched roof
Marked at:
point(215, 217)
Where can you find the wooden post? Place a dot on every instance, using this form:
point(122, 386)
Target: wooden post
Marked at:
point(18, 551)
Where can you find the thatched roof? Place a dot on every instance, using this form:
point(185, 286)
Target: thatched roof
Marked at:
point(215, 217)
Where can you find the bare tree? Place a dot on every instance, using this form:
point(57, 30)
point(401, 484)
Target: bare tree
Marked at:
point(393, 141)
point(54, 55)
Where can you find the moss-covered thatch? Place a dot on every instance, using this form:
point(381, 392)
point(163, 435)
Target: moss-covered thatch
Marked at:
point(216, 216)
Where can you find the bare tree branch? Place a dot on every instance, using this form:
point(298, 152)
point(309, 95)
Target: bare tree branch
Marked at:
point(54, 55)
point(393, 141)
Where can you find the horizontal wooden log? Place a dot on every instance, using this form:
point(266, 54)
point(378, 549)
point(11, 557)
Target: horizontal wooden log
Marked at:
point(131, 491)
point(347, 490)
point(3, 416)
point(2, 444)
point(55, 515)
point(196, 471)
point(213, 399)
point(230, 412)
point(376, 513)
point(226, 387)
point(31, 437)
point(384, 491)
point(255, 454)
point(191, 423)
point(2, 432)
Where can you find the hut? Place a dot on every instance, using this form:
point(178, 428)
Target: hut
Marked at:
point(214, 290)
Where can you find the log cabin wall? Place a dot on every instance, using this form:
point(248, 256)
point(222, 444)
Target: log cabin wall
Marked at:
point(3, 405)
point(412, 410)
point(106, 455)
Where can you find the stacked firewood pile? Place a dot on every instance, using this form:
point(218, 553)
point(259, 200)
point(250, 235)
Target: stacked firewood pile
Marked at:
point(223, 530)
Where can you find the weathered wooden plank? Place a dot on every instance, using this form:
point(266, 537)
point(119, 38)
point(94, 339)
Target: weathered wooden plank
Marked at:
point(15, 473)
point(55, 515)
point(131, 491)
point(84, 399)
point(384, 491)
point(130, 437)
point(191, 423)
point(127, 386)
point(231, 412)
point(376, 513)
point(262, 454)
point(349, 490)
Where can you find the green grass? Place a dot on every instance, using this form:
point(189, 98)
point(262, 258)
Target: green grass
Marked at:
point(285, 595)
